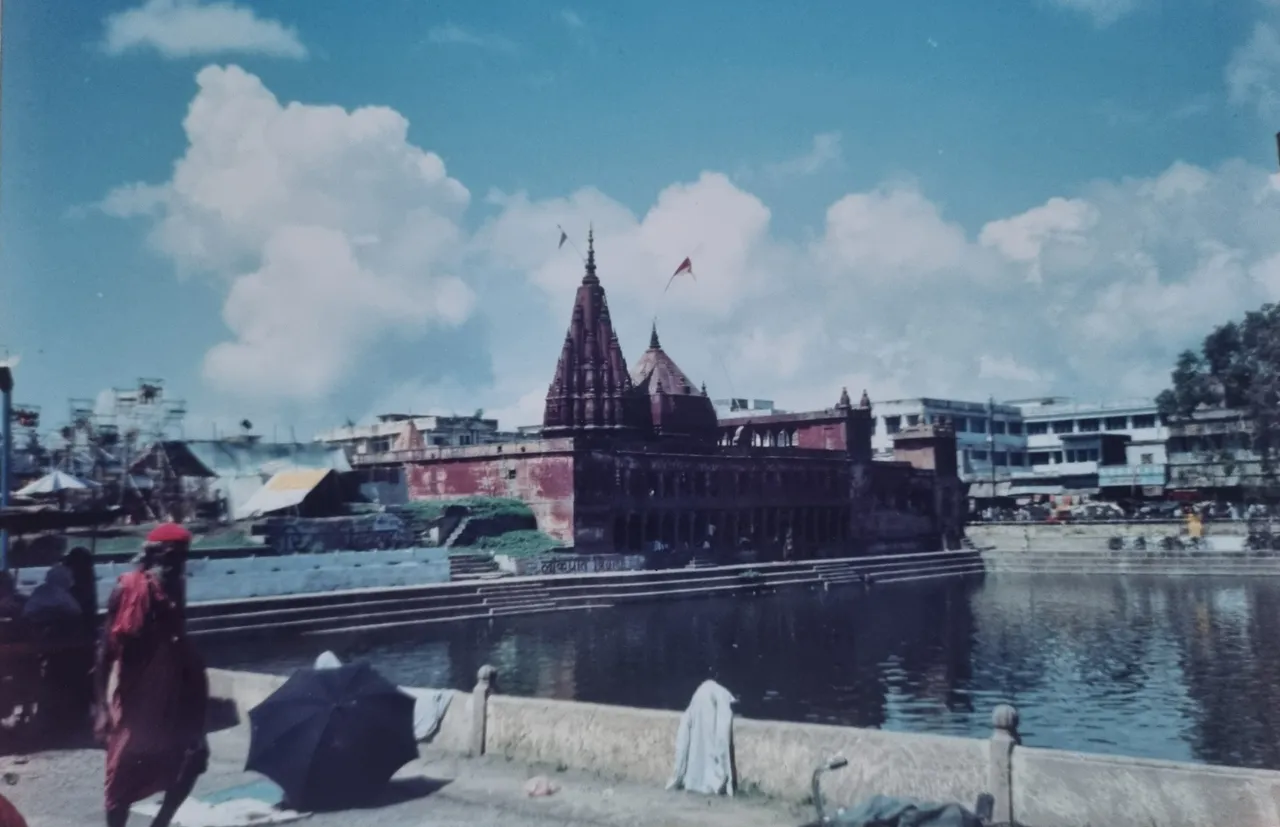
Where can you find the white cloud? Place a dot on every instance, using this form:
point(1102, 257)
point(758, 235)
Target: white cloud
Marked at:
point(283, 202)
point(333, 235)
point(1024, 238)
point(194, 28)
point(1102, 12)
point(453, 35)
point(1253, 74)
point(824, 152)
point(1006, 368)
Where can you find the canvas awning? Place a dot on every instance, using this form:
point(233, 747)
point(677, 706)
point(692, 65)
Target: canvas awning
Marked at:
point(285, 490)
point(55, 482)
point(982, 490)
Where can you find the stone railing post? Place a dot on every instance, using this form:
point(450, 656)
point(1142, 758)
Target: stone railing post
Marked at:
point(1004, 737)
point(480, 707)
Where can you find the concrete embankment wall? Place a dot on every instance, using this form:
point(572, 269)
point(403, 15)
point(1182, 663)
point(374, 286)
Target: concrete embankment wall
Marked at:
point(1161, 548)
point(1035, 787)
point(273, 575)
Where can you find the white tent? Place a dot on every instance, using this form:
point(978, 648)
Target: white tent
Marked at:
point(55, 482)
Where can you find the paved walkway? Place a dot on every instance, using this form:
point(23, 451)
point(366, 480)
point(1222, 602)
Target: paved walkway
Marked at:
point(64, 789)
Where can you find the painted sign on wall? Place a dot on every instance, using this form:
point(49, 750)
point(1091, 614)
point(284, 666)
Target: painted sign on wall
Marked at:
point(295, 535)
point(553, 564)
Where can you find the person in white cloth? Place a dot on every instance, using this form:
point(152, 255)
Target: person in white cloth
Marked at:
point(704, 743)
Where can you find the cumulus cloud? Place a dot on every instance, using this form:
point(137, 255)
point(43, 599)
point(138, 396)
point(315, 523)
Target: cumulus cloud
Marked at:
point(333, 234)
point(1253, 73)
point(1102, 12)
point(453, 35)
point(1091, 294)
point(824, 152)
point(330, 229)
point(1025, 237)
point(193, 28)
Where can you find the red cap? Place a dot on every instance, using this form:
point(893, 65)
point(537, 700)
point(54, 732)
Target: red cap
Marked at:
point(169, 533)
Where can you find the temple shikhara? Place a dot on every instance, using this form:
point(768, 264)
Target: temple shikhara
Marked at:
point(637, 460)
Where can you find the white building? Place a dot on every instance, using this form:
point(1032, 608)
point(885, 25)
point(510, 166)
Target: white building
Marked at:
point(726, 408)
point(435, 430)
point(1059, 443)
point(989, 437)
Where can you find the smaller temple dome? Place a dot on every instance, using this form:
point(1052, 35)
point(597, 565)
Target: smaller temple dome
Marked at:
point(678, 406)
point(656, 370)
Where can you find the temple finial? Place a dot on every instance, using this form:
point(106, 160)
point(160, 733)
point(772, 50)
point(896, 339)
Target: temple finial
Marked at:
point(653, 336)
point(590, 277)
point(844, 402)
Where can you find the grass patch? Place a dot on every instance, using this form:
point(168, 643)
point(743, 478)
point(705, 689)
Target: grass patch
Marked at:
point(522, 543)
point(426, 511)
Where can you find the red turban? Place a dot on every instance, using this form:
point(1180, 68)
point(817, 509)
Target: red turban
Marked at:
point(169, 533)
point(9, 815)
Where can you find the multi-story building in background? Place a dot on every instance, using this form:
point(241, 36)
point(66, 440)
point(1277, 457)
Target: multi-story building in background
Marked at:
point(1112, 448)
point(1212, 455)
point(729, 408)
point(440, 431)
point(989, 436)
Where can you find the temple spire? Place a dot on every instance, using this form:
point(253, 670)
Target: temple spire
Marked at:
point(653, 337)
point(590, 277)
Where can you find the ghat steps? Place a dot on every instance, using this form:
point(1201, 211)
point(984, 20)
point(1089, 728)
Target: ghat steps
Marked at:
point(414, 606)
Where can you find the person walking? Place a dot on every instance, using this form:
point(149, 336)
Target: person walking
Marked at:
point(151, 685)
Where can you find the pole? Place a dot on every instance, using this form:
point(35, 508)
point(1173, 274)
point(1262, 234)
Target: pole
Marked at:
point(6, 454)
point(991, 444)
point(6, 387)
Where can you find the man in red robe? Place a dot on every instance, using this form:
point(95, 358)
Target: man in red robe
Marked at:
point(153, 721)
point(9, 815)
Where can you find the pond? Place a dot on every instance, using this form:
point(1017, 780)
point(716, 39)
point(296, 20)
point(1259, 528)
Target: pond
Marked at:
point(1178, 669)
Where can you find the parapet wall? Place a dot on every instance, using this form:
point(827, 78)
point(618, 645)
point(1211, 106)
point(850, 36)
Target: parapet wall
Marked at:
point(272, 575)
point(1092, 536)
point(1035, 787)
point(1228, 548)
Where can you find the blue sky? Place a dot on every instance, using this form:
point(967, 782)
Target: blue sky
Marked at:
point(360, 213)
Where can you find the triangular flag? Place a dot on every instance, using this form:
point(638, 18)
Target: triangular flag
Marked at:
point(563, 238)
point(686, 266)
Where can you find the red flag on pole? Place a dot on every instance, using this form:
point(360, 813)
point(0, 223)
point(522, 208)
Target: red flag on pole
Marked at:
point(686, 266)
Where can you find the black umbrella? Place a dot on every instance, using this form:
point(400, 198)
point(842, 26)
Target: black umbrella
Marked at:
point(332, 738)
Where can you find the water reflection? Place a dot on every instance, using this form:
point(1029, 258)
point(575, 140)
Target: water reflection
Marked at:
point(1164, 668)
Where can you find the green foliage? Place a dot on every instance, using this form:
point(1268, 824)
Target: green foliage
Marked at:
point(420, 514)
point(522, 543)
point(427, 511)
point(1237, 367)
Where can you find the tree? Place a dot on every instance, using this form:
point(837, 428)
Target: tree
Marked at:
point(1238, 367)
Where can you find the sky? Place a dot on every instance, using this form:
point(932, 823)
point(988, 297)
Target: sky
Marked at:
point(304, 211)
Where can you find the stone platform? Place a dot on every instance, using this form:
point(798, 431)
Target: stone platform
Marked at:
point(64, 789)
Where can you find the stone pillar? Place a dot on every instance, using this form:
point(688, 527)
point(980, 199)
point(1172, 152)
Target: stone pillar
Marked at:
point(480, 708)
point(1004, 737)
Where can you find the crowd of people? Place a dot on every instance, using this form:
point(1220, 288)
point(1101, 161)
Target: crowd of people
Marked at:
point(143, 685)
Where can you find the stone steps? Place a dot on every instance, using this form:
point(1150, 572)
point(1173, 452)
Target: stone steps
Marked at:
point(525, 607)
point(516, 600)
point(413, 606)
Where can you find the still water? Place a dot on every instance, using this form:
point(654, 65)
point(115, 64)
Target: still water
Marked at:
point(1176, 669)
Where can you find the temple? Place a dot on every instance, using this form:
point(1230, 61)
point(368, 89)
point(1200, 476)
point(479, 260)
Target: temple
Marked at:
point(637, 461)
